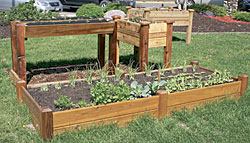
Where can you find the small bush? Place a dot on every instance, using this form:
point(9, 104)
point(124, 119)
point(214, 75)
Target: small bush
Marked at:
point(25, 11)
point(114, 6)
point(217, 10)
point(90, 10)
point(241, 16)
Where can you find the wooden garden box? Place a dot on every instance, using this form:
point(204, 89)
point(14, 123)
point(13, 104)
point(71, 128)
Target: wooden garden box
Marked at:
point(180, 18)
point(146, 35)
point(50, 123)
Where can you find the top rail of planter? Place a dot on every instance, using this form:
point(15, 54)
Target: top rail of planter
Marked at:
point(32, 31)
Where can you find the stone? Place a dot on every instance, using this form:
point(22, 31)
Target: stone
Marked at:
point(108, 15)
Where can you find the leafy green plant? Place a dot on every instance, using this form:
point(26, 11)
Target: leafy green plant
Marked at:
point(114, 6)
point(58, 86)
point(103, 73)
point(155, 86)
point(131, 71)
point(63, 102)
point(90, 10)
point(139, 90)
point(104, 93)
point(81, 104)
point(44, 88)
point(148, 69)
point(89, 75)
point(72, 78)
point(118, 73)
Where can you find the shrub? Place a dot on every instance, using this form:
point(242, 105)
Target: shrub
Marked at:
point(241, 16)
point(25, 11)
point(114, 6)
point(90, 10)
point(217, 10)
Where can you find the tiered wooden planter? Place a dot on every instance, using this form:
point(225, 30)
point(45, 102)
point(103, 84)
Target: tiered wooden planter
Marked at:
point(181, 18)
point(50, 123)
point(146, 35)
point(21, 31)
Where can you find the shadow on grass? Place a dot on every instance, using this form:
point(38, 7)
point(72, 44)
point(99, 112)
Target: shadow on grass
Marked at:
point(177, 39)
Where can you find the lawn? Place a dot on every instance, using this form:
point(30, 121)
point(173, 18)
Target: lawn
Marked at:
point(228, 121)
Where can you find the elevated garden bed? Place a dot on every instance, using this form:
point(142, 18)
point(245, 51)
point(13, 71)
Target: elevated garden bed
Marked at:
point(182, 87)
point(180, 18)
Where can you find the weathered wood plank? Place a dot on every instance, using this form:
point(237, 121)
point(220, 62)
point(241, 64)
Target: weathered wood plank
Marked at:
point(46, 123)
point(14, 45)
point(144, 44)
point(128, 39)
point(34, 108)
point(203, 93)
point(131, 33)
point(157, 42)
point(157, 28)
point(14, 77)
point(168, 47)
point(21, 71)
point(192, 105)
point(132, 26)
point(64, 118)
point(101, 49)
point(68, 29)
point(121, 120)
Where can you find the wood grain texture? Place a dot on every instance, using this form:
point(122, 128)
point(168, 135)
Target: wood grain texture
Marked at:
point(168, 47)
point(46, 123)
point(14, 45)
point(100, 112)
point(69, 29)
point(127, 25)
point(157, 42)
point(20, 29)
point(128, 39)
point(163, 100)
point(157, 28)
point(101, 49)
point(122, 121)
point(113, 48)
point(144, 44)
point(19, 85)
point(13, 76)
point(129, 32)
point(244, 83)
point(192, 105)
point(189, 28)
point(203, 93)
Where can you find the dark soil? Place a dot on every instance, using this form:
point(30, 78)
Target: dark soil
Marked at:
point(81, 91)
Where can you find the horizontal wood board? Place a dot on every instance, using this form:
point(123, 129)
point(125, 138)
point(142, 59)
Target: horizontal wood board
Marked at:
point(13, 76)
point(100, 112)
point(68, 29)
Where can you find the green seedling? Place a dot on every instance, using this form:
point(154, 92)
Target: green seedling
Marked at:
point(89, 75)
point(63, 102)
point(72, 79)
point(118, 73)
point(81, 104)
point(44, 88)
point(58, 86)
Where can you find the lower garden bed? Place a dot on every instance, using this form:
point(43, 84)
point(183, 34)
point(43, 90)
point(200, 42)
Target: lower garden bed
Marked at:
point(173, 91)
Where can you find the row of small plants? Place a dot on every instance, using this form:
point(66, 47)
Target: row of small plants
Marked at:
point(104, 91)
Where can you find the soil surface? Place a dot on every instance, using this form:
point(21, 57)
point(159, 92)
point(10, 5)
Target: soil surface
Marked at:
point(81, 90)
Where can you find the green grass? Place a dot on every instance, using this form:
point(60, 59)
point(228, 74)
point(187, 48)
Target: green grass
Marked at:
point(228, 121)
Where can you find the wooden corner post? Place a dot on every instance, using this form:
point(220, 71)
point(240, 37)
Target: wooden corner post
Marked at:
point(101, 49)
point(144, 35)
point(244, 83)
point(189, 28)
point(13, 45)
point(163, 102)
point(20, 28)
point(19, 85)
point(128, 11)
point(46, 123)
point(168, 47)
point(193, 62)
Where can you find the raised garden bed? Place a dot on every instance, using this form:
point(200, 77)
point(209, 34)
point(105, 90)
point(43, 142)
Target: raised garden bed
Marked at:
point(146, 35)
point(180, 18)
point(52, 121)
point(21, 31)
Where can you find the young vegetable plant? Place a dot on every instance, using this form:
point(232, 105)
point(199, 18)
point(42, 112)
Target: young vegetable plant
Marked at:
point(131, 71)
point(89, 75)
point(148, 69)
point(155, 86)
point(44, 88)
point(139, 91)
point(63, 102)
point(103, 75)
point(58, 86)
point(81, 104)
point(118, 73)
point(72, 79)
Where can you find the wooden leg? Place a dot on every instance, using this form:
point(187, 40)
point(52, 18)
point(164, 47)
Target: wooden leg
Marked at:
point(113, 48)
point(13, 46)
point(168, 47)
point(101, 49)
point(144, 34)
point(21, 51)
point(244, 83)
point(19, 85)
point(189, 28)
point(136, 54)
